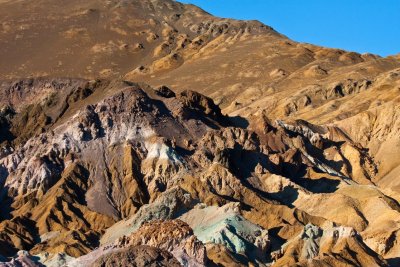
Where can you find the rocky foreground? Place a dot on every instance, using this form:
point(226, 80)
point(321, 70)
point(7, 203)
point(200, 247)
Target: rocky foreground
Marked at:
point(112, 173)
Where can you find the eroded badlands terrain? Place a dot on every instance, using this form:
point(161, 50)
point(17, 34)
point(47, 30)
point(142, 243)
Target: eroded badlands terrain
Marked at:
point(150, 133)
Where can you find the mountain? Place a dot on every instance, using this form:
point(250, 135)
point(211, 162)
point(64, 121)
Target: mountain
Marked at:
point(104, 38)
point(150, 133)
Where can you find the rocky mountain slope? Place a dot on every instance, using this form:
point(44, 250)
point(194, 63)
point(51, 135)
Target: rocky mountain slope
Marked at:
point(186, 139)
point(106, 38)
point(125, 151)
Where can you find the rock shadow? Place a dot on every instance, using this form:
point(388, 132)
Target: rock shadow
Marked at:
point(287, 196)
point(322, 185)
point(393, 262)
point(242, 164)
point(238, 122)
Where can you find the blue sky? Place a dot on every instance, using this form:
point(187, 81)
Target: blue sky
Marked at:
point(356, 25)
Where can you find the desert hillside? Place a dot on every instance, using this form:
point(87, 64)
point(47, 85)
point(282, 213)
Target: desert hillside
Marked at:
point(151, 133)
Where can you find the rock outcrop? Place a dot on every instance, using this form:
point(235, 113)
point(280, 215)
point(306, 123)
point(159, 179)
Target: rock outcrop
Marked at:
point(169, 205)
point(334, 246)
point(164, 237)
point(225, 226)
point(138, 256)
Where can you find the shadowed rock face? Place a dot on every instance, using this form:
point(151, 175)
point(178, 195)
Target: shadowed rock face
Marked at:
point(224, 143)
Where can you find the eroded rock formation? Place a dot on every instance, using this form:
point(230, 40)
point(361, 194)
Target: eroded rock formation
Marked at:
point(224, 142)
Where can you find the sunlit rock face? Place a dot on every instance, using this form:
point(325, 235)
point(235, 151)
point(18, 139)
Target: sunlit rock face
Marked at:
point(124, 159)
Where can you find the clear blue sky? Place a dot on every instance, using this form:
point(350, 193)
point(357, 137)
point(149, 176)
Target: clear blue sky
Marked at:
point(356, 25)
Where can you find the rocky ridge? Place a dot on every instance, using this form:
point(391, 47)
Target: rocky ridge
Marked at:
point(161, 154)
